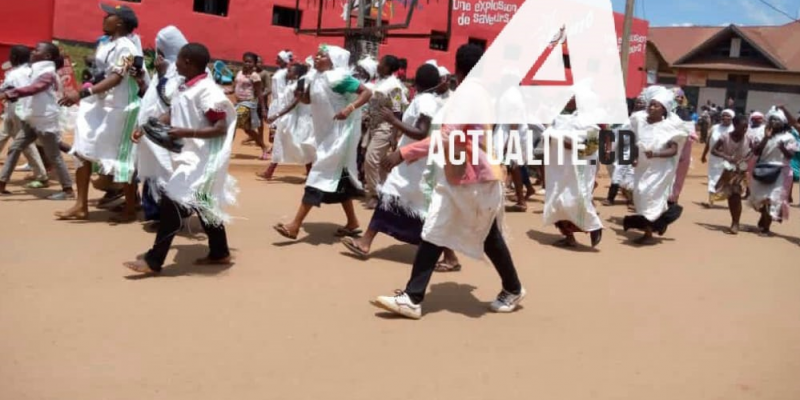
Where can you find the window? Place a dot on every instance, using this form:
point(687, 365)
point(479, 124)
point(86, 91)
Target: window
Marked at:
point(439, 41)
point(214, 7)
point(285, 16)
point(736, 47)
point(478, 42)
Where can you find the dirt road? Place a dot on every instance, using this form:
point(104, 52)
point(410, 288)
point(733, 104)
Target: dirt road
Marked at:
point(700, 316)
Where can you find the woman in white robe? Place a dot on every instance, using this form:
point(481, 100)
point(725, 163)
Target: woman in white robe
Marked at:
point(775, 150)
point(154, 164)
point(660, 135)
point(279, 83)
point(335, 98)
point(568, 199)
point(404, 197)
point(108, 115)
point(715, 164)
point(294, 135)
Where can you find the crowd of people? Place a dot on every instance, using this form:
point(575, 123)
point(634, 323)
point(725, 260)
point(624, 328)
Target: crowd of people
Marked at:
point(361, 132)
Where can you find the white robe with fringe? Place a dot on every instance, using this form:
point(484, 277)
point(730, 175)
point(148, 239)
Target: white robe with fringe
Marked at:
point(200, 179)
point(106, 121)
point(153, 161)
point(405, 186)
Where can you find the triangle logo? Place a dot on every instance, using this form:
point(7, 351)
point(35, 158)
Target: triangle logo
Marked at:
point(552, 68)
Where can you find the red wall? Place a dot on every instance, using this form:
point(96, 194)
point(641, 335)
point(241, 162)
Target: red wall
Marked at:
point(25, 22)
point(248, 27)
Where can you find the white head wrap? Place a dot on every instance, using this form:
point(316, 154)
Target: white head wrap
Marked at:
point(729, 112)
point(776, 113)
point(432, 62)
point(285, 55)
point(756, 115)
point(339, 56)
point(370, 65)
point(443, 72)
point(169, 41)
point(662, 95)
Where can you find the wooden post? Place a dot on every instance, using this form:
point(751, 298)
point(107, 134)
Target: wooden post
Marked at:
point(626, 40)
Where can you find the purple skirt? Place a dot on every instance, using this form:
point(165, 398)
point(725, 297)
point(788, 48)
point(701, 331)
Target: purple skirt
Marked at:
point(397, 223)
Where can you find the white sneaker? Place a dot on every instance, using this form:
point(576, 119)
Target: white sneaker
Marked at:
point(24, 168)
point(400, 304)
point(507, 302)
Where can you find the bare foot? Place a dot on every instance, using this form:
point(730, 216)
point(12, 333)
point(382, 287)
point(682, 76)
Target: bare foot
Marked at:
point(264, 175)
point(733, 230)
point(73, 214)
point(139, 266)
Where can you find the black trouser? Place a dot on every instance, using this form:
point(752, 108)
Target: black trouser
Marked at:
point(612, 192)
point(171, 217)
point(428, 255)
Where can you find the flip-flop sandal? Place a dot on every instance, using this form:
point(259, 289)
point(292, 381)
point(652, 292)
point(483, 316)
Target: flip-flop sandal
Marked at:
point(344, 232)
point(351, 245)
point(281, 229)
point(446, 267)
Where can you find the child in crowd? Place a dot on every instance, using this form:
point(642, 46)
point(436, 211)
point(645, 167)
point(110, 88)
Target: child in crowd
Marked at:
point(250, 102)
point(735, 149)
point(203, 117)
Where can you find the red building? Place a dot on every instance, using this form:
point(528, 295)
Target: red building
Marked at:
point(231, 27)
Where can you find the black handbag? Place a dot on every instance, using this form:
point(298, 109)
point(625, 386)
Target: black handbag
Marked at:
point(767, 173)
point(159, 134)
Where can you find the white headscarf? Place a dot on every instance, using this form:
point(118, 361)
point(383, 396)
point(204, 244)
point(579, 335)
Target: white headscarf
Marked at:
point(169, 41)
point(729, 112)
point(662, 95)
point(339, 56)
point(432, 62)
point(776, 113)
point(443, 72)
point(286, 56)
point(756, 115)
point(370, 65)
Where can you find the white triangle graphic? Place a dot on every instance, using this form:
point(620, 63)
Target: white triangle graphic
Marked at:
point(553, 67)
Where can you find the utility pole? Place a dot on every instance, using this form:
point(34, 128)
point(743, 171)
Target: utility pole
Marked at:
point(626, 40)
